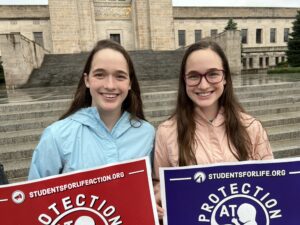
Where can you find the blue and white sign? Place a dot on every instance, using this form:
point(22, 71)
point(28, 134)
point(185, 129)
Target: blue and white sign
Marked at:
point(247, 193)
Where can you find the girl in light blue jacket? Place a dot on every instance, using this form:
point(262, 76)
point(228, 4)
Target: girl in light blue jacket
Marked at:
point(105, 122)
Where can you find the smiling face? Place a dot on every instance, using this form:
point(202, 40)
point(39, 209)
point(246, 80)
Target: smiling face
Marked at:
point(205, 95)
point(108, 81)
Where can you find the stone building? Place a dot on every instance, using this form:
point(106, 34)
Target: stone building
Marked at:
point(71, 26)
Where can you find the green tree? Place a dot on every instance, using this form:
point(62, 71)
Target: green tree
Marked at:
point(293, 52)
point(231, 25)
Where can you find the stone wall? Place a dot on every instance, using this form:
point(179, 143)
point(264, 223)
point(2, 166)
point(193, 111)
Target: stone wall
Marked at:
point(20, 56)
point(64, 26)
point(123, 27)
point(24, 11)
point(234, 12)
point(87, 30)
point(230, 43)
point(26, 20)
point(206, 24)
point(72, 25)
point(140, 18)
point(115, 18)
point(161, 24)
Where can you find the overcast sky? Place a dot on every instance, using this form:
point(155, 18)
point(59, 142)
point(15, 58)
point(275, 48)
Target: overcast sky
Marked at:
point(260, 3)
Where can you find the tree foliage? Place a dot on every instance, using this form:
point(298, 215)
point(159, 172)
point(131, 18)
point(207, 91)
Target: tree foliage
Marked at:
point(231, 25)
point(293, 52)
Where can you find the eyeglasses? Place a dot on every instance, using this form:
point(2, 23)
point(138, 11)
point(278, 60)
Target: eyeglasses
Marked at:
point(212, 76)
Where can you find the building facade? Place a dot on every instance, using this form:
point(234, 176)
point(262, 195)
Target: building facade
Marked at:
point(71, 26)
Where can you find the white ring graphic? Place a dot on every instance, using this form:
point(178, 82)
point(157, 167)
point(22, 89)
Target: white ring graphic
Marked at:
point(79, 209)
point(213, 215)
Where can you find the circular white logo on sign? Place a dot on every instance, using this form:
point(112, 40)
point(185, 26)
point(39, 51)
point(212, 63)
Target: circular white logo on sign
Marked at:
point(18, 197)
point(199, 177)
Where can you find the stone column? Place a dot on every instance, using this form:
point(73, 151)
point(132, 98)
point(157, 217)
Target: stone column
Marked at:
point(87, 24)
point(140, 18)
point(72, 25)
point(161, 25)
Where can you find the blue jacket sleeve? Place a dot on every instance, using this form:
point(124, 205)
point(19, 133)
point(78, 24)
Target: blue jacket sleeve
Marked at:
point(46, 159)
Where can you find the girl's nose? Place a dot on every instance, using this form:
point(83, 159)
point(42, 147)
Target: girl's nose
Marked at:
point(203, 83)
point(110, 82)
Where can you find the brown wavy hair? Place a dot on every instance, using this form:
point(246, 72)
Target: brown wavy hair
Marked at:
point(132, 103)
point(184, 111)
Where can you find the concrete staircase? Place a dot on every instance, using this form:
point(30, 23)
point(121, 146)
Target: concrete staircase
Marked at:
point(276, 104)
point(66, 69)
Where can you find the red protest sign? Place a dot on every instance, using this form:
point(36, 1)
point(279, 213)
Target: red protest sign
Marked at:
point(112, 195)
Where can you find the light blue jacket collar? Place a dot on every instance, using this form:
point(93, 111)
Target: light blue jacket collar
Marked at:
point(90, 117)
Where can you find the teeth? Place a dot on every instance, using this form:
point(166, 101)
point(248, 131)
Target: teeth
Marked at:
point(110, 95)
point(203, 94)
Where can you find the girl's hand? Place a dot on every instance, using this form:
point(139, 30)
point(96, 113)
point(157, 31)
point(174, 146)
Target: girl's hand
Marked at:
point(160, 211)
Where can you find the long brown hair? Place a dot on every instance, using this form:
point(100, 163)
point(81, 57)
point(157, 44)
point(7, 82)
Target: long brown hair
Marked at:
point(132, 103)
point(235, 130)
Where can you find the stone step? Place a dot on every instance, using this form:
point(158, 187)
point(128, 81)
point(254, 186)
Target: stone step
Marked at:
point(247, 100)
point(267, 93)
point(37, 113)
point(158, 95)
point(263, 87)
point(165, 108)
point(273, 109)
point(17, 169)
point(270, 101)
point(19, 137)
point(17, 151)
point(29, 106)
point(26, 124)
point(286, 148)
point(280, 119)
point(289, 131)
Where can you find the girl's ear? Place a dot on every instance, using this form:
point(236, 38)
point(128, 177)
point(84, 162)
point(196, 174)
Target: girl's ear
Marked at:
point(86, 80)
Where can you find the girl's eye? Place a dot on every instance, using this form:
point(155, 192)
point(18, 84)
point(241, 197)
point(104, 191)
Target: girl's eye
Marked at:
point(121, 76)
point(192, 77)
point(99, 75)
point(214, 73)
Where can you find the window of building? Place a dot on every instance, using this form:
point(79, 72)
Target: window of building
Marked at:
point(38, 38)
point(276, 60)
point(261, 64)
point(282, 58)
point(286, 34)
point(267, 61)
point(213, 32)
point(244, 62)
point(273, 35)
point(198, 35)
point(115, 37)
point(258, 36)
point(250, 62)
point(181, 37)
point(244, 33)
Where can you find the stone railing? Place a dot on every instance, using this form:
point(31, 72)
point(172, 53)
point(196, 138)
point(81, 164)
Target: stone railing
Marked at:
point(19, 56)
